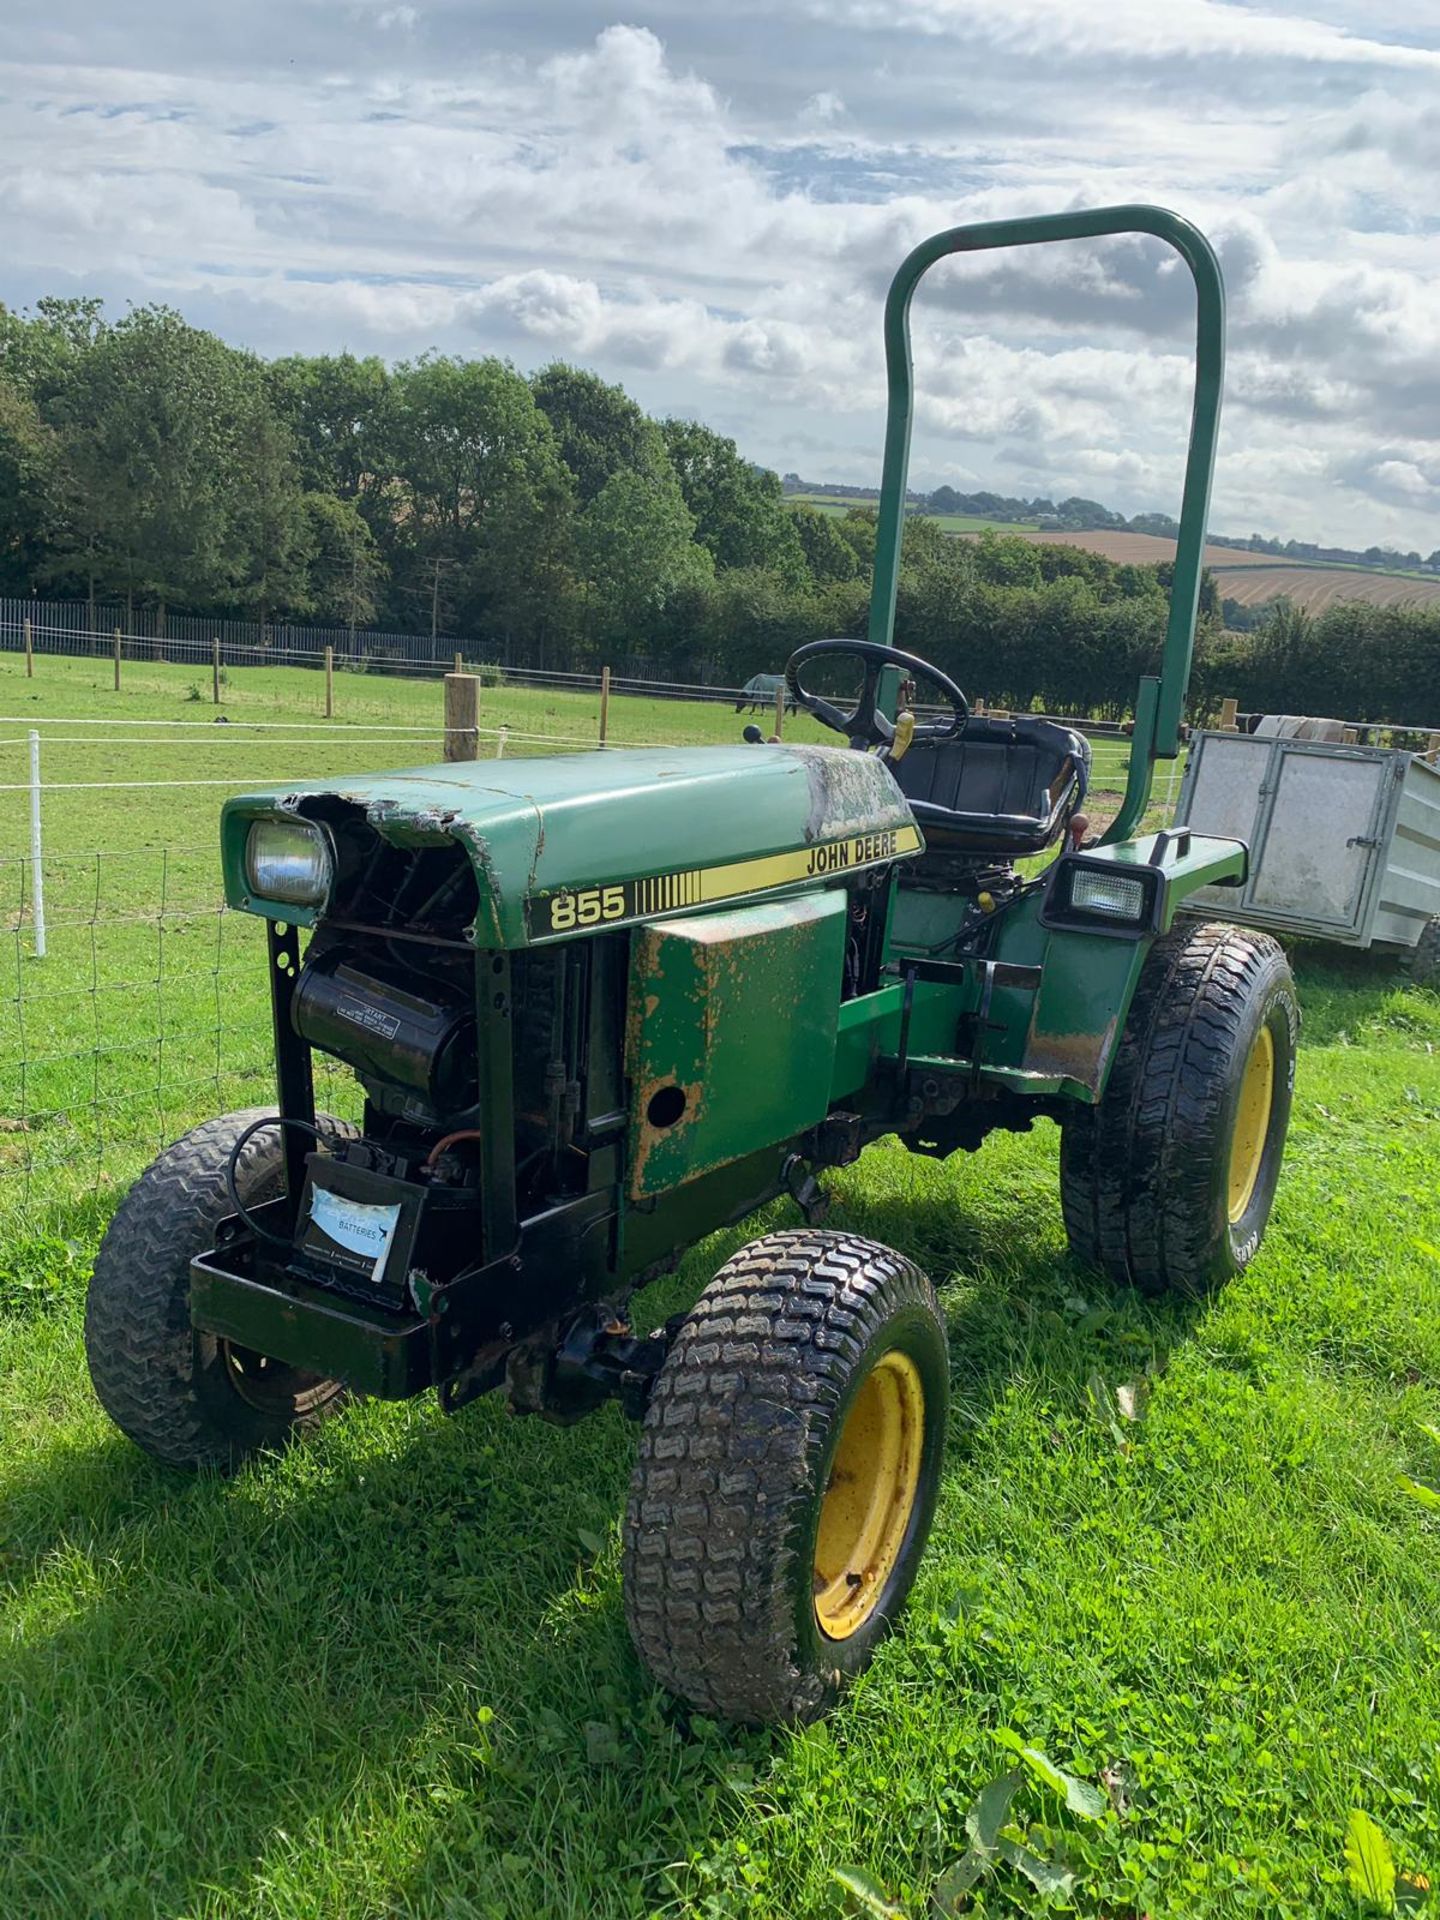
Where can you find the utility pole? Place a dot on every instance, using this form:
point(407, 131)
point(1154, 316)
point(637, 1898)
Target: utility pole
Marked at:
point(439, 563)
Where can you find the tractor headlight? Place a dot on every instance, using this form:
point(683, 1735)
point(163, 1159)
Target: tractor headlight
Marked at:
point(289, 861)
point(1101, 896)
point(1116, 896)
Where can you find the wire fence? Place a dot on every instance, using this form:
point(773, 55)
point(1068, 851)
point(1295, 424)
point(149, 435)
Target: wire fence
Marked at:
point(133, 1003)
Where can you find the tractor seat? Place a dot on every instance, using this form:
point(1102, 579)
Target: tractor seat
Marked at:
point(1003, 787)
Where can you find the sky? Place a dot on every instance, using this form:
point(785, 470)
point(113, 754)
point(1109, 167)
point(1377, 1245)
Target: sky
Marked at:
point(706, 202)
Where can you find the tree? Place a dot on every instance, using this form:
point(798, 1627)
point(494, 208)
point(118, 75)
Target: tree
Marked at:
point(478, 498)
point(274, 531)
point(737, 507)
point(38, 352)
point(27, 509)
point(346, 571)
point(599, 430)
point(636, 547)
point(857, 527)
point(334, 405)
point(157, 423)
point(828, 554)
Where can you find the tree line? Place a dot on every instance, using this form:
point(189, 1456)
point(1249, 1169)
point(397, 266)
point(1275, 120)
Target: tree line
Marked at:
point(549, 521)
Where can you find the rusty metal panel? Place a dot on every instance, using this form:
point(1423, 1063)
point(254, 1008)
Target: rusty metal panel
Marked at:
point(730, 1043)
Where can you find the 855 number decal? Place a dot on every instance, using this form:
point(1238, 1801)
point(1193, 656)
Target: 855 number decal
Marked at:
point(589, 907)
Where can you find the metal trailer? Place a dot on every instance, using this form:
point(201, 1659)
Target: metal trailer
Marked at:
point(1344, 840)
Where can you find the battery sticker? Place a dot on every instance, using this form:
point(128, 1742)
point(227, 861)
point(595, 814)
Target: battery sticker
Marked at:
point(574, 910)
point(350, 1234)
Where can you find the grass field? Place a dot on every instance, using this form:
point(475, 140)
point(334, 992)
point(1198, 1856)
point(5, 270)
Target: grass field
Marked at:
point(388, 1675)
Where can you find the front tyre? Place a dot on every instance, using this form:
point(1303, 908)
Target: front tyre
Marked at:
point(787, 1475)
point(1167, 1184)
point(186, 1397)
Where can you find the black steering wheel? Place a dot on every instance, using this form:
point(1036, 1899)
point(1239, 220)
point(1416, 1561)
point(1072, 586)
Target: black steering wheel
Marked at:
point(867, 726)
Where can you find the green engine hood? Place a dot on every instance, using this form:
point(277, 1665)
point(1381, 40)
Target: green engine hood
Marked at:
point(570, 843)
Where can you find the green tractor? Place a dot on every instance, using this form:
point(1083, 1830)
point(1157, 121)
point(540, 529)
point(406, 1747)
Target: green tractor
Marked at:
point(601, 1005)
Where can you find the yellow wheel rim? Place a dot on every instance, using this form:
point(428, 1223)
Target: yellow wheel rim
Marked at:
point(1252, 1123)
point(866, 1506)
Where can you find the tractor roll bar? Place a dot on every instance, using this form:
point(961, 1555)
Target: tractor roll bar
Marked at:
point(1159, 702)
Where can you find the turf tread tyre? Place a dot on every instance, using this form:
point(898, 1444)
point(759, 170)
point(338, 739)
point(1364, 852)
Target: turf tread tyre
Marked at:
point(720, 1526)
point(161, 1382)
point(1142, 1174)
point(1422, 962)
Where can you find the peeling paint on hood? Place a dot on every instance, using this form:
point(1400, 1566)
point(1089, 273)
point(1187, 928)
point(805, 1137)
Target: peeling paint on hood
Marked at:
point(571, 822)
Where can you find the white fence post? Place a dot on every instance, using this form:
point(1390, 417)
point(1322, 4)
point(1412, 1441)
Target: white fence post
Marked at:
point(37, 871)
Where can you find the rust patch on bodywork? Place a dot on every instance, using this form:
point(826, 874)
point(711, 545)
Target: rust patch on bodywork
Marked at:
point(1082, 1057)
point(648, 1136)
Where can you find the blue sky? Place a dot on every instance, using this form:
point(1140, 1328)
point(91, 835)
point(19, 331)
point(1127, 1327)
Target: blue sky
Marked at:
point(705, 203)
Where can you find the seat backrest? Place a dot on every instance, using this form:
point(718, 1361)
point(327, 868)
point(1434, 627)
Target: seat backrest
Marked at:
point(1003, 784)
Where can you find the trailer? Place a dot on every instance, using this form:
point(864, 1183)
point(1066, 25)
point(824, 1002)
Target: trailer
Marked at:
point(1344, 840)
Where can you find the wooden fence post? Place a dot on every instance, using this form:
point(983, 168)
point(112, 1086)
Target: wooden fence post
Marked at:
point(1229, 716)
point(215, 669)
point(117, 659)
point(604, 703)
point(780, 711)
point(462, 716)
point(459, 663)
point(329, 683)
point(1432, 747)
point(29, 650)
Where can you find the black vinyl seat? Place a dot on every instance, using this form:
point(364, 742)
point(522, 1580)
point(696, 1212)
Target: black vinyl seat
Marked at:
point(1004, 787)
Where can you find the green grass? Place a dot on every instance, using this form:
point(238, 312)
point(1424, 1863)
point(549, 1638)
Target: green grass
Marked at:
point(388, 1674)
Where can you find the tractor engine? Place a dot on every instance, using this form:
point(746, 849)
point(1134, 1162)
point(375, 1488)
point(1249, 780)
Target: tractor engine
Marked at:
point(388, 982)
point(409, 1034)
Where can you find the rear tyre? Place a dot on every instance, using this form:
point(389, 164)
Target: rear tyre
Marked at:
point(787, 1475)
point(186, 1397)
point(1167, 1184)
point(1422, 962)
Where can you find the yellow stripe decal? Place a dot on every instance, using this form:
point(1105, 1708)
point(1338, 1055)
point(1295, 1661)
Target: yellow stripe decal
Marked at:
point(576, 910)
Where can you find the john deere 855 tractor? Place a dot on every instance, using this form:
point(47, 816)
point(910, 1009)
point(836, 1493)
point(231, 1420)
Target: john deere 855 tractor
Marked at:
point(600, 1005)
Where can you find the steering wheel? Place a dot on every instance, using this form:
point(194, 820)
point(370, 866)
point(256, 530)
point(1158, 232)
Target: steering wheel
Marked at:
point(867, 726)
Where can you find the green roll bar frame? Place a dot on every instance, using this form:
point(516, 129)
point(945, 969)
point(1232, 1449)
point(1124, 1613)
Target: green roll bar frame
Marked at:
point(1159, 700)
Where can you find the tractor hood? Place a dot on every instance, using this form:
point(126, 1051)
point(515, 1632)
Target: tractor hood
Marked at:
point(569, 843)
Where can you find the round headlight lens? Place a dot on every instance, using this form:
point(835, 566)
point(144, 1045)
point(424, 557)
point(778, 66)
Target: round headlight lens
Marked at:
point(289, 861)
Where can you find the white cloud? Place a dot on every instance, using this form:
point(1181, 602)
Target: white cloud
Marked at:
point(822, 109)
point(1137, 30)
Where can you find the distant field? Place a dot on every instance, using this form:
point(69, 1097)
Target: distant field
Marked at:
point(1316, 588)
point(967, 523)
point(837, 504)
point(1244, 576)
point(1142, 549)
point(1253, 578)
